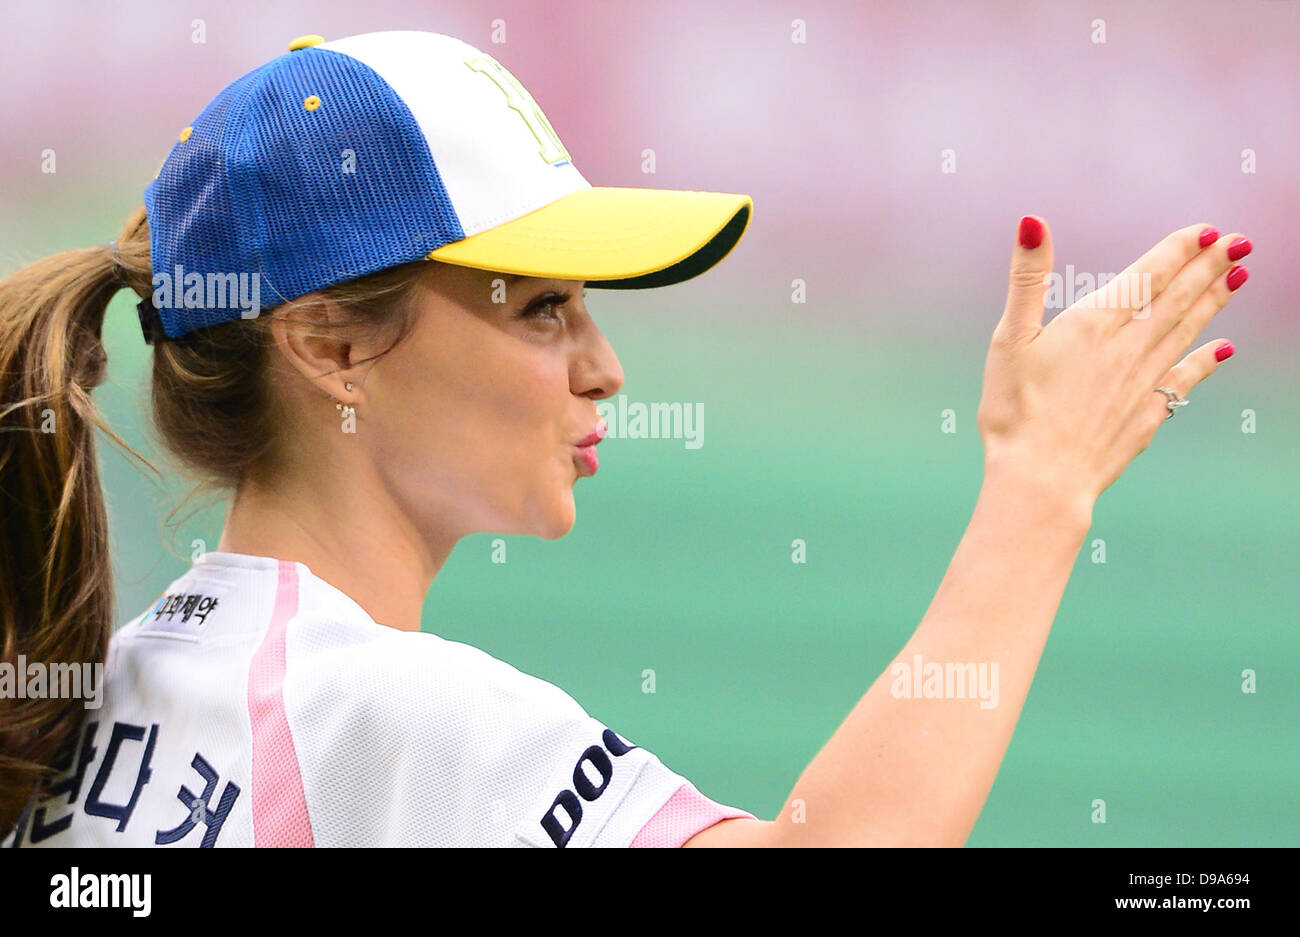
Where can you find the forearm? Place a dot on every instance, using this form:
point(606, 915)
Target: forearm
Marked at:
point(916, 771)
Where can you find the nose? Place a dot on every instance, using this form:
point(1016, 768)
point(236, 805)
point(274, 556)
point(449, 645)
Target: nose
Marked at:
point(596, 372)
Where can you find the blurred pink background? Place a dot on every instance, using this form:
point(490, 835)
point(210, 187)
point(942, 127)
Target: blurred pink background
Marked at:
point(823, 418)
point(839, 139)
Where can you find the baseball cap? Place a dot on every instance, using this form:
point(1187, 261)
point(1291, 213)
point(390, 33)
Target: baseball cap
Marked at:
point(341, 158)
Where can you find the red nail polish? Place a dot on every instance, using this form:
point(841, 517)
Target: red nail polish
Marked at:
point(1236, 277)
point(1209, 236)
point(1239, 249)
point(1031, 232)
point(1224, 351)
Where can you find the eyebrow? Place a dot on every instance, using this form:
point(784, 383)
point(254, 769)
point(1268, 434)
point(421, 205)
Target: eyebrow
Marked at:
point(514, 277)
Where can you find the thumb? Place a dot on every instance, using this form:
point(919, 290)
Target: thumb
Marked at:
point(1031, 262)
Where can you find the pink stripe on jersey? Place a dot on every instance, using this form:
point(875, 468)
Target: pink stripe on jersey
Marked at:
point(685, 814)
point(279, 805)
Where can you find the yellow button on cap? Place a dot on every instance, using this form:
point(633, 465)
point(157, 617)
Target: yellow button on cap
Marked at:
point(303, 42)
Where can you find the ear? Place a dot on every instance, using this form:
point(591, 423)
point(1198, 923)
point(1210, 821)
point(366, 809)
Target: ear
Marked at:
point(307, 334)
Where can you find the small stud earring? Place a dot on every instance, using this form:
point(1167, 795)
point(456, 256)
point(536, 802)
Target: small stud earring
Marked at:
point(345, 409)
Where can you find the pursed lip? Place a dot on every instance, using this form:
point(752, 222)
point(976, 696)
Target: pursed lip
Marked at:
point(594, 436)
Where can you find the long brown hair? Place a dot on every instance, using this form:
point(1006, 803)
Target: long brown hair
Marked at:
point(213, 411)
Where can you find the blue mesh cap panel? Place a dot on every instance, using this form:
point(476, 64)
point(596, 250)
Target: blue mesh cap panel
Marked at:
point(191, 221)
point(260, 186)
point(316, 224)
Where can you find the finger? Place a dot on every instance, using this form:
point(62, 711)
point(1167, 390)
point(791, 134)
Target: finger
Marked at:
point(1184, 332)
point(1031, 262)
point(1147, 277)
point(1204, 274)
point(1182, 377)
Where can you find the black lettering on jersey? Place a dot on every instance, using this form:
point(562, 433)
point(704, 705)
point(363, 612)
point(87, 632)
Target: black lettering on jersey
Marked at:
point(199, 808)
point(560, 834)
point(69, 784)
point(596, 757)
point(186, 605)
point(567, 800)
point(614, 743)
point(122, 732)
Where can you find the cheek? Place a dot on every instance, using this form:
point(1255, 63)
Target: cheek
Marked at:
point(480, 429)
point(507, 415)
point(529, 473)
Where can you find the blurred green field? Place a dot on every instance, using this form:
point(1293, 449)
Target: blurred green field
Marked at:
point(680, 563)
point(823, 422)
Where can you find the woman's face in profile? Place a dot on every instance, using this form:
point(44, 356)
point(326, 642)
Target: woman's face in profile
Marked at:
point(473, 419)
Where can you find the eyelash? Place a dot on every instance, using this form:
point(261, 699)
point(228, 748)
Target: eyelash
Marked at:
point(545, 301)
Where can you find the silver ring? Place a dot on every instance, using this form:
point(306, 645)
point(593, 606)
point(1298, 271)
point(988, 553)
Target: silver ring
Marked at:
point(1173, 401)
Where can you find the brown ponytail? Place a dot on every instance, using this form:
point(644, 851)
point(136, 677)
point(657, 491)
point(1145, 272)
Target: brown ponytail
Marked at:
point(56, 585)
point(212, 409)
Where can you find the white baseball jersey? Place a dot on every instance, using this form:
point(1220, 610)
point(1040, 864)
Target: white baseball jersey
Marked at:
point(256, 705)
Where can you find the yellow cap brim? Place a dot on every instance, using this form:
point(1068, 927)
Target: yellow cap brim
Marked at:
point(610, 237)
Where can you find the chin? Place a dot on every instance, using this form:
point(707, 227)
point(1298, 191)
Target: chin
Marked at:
point(558, 519)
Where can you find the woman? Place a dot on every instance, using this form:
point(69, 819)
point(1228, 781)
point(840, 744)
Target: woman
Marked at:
point(365, 269)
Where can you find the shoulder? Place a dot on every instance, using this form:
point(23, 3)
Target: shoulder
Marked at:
point(412, 739)
point(374, 671)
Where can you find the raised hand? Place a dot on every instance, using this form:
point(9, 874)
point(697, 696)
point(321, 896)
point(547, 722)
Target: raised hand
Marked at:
point(1074, 402)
